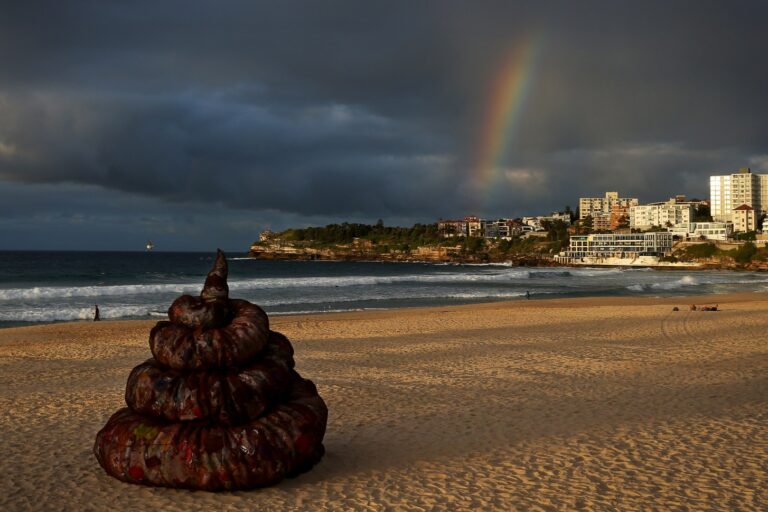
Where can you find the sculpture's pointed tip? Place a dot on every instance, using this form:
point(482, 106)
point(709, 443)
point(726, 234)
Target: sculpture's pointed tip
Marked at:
point(216, 283)
point(221, 261)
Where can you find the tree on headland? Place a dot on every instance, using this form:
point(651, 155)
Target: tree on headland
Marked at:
point(472, 245)
point(346, 233)
point(745, 253)
point(585, 225)
point(749, 235)
point(702, 213)
point(570, 213)
point(557, 230)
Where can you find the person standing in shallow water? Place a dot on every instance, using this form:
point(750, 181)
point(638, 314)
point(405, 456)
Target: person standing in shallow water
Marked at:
point(96, 317)
point(527, 294)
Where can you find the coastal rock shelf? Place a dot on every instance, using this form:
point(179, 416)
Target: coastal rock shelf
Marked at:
point(219, 406)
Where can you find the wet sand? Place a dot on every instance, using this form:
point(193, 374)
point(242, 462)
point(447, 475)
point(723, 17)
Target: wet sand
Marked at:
point(594, 404)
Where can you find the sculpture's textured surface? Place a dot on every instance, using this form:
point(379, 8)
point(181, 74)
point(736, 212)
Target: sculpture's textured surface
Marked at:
point(219, 406)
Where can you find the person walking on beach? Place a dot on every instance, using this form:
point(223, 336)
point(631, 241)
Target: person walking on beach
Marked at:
point(528, 294)
point(96, 317)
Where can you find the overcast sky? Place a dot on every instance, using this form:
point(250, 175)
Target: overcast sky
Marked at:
point(198, 124)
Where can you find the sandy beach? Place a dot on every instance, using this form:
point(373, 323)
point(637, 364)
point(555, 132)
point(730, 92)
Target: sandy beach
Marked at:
point(594, 404)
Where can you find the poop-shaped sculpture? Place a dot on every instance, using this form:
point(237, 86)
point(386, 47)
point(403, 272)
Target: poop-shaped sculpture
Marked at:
point(219, 406)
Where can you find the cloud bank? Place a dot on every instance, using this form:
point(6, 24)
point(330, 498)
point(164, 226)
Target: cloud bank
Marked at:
point(218, 121)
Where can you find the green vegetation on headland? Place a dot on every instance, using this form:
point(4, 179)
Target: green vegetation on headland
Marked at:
point(422, 242)
point(746, 255)
point(378, 234)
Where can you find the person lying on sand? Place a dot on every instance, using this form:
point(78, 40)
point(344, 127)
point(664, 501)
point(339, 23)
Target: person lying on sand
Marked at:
point(694, 307)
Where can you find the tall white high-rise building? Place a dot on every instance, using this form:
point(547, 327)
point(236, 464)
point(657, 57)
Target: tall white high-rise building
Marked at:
point(730, 191)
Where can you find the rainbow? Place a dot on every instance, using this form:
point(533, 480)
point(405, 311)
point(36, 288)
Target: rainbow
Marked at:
point(508, 93)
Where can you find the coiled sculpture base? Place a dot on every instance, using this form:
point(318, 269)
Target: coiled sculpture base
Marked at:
point(219, 407)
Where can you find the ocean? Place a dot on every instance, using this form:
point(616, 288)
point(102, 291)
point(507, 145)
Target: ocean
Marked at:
point(40, 287)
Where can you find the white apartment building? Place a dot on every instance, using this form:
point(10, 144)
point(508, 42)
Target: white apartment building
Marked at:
point(668, 213)
point(474, 226)
point(708, 230)
point(630, 245)
point(744, 219)
point(561, 216)
point(535, 222)
point(593, 206)
point(730, 191)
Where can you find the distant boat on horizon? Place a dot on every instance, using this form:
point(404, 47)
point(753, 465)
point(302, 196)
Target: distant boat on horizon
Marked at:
point(150, 245)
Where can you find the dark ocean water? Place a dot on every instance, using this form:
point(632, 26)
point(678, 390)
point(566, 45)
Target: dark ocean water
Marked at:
point(60, 286)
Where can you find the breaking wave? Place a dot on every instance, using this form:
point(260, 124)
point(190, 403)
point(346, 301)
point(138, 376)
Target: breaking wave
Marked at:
point(671, 285)
point(57, 314)
point(60, 292)
point(288, 282)
point(499, 276)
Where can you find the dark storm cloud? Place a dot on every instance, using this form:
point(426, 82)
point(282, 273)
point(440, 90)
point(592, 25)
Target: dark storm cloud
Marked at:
point(320, 111)
point(77, 217)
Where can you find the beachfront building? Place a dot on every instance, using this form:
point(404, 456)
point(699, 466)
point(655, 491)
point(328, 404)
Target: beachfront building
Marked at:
point(468, 226)
point(601, 222)
point(537, 222)
point(663, 214)
point(744, 219)
point(474, 226)
point(616, 246)
point(619, 217)
point(728, 192)
point(703, 230)
point(595, 206)
point(452, 228)
point(557, 216)
point(532, 222)
point(502, 228)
